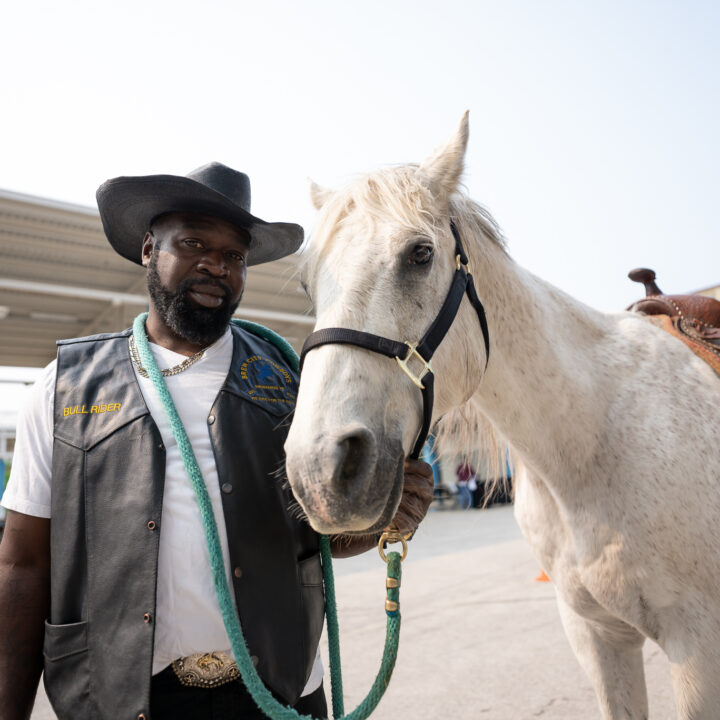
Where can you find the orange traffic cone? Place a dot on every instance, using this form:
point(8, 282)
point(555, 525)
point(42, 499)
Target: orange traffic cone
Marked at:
point(542, 577)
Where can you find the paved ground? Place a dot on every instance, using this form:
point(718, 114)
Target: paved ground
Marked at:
point(480, 639)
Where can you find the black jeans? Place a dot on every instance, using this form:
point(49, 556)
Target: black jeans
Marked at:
point(169, 700)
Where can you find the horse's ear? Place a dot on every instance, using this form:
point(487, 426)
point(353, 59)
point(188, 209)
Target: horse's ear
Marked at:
point(318, 195)
point(443, 168)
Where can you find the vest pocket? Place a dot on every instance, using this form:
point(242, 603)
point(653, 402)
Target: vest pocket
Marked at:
point(313, 606)
point(61, 641)
point(310, 570)
point(67, 670)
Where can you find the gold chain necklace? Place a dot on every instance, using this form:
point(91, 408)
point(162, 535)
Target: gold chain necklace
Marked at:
point(177, 369)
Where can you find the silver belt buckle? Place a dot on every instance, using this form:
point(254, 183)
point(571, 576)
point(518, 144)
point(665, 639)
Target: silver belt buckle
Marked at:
point(206, 670)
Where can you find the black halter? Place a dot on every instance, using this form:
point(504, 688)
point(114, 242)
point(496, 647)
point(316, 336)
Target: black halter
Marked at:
point(462, 284)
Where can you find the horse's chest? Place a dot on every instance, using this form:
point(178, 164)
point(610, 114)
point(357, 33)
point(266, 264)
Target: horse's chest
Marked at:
point(597, 570)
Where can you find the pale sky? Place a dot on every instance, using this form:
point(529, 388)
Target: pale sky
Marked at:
point(593, 124)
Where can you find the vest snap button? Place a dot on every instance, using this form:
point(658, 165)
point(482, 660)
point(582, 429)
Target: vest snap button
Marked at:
point(151, 525)
point(141, 716)
point(237, 572)
point(211, 419)
point(255, 660)
point(227, 488)
point(147, 617)
point(161, 446)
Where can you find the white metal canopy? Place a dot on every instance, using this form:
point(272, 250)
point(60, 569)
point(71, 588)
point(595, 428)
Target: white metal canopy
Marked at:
point(60, 278)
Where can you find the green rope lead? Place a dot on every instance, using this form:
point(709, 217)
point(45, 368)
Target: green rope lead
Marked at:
point(333, 629)
point(255, 686)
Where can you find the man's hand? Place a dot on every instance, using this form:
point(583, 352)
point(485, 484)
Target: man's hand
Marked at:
point(416, 498)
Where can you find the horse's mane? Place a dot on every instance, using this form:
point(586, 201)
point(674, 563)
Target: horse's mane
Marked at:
point(396, 192)
point(465, 431)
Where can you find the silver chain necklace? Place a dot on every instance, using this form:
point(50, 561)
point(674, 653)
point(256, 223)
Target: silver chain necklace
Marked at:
point(175, 370)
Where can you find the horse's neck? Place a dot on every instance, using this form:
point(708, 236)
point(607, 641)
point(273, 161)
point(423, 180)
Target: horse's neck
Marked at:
point(542, 386)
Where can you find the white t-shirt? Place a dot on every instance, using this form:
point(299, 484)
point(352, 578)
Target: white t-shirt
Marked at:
point(188, 618)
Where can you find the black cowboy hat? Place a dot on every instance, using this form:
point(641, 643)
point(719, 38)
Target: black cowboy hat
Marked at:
point(128, 205)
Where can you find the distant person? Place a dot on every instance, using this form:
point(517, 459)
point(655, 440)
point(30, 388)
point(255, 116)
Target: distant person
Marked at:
point(466, 483)
point(428, 455)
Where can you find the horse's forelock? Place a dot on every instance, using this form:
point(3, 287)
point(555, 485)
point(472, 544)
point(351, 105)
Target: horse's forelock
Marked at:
point(393, 194)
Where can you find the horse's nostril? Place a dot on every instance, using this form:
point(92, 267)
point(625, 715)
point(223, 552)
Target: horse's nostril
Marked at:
point(353, 447)
point(356, 452)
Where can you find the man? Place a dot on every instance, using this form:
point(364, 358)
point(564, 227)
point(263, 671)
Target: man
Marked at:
point(121, 575)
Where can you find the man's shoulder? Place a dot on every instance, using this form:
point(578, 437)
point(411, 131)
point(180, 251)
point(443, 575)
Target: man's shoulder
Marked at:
point(268, 341)
point(264, 369)
point(95, 338)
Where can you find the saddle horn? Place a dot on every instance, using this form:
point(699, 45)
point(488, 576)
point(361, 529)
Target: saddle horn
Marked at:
point(647, 278)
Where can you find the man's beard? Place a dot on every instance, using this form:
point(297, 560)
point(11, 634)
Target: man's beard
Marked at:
point(192, 322)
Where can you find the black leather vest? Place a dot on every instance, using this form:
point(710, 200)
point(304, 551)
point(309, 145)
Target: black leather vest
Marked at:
point(107, 487)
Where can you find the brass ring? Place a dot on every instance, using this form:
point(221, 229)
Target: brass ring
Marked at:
point(392, 537)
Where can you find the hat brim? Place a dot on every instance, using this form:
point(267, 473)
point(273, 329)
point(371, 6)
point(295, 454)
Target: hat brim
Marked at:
point(129, 204)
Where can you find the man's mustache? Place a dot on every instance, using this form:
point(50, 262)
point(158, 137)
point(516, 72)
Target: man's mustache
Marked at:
point(194, 282)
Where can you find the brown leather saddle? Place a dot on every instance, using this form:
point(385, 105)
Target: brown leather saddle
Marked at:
point(694, 319)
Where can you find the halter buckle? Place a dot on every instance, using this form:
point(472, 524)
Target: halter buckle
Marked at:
point(403, 363)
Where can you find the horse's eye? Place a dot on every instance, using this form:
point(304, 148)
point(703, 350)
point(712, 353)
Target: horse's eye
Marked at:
point(421, 255)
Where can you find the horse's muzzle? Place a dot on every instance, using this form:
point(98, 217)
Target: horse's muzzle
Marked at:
point(345, 482)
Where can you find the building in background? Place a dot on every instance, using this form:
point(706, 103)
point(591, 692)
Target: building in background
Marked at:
point(713, 292)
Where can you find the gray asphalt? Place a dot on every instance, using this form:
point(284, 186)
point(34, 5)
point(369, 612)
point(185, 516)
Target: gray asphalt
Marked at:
point(480, 638)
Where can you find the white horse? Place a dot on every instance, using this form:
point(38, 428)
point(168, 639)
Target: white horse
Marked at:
point(614, 424)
